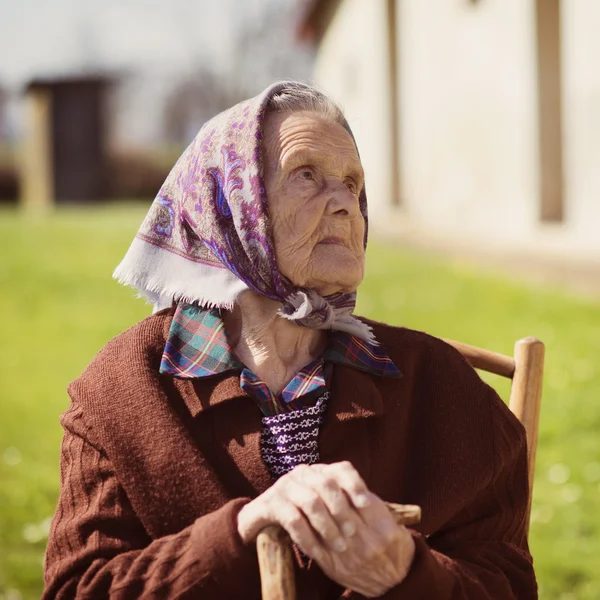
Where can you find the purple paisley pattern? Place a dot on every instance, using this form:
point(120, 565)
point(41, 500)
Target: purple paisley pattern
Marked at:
point(212, 209)
point(164, 225)
point(226, 179)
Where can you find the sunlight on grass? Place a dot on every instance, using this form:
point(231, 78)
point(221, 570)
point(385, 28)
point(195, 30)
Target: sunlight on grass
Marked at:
point(60, 306)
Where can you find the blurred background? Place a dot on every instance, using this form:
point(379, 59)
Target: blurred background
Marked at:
point(478, 123)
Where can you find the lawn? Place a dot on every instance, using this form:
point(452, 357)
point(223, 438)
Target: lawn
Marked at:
point(59, 306)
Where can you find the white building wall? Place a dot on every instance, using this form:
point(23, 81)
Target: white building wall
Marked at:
point(352, 66)
point(468, 136)
point(581, 124)
point(468, 118)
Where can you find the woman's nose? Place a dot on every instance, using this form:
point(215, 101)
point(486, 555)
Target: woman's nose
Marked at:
point(341, 201)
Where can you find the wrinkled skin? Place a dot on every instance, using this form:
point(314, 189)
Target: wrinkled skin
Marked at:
point(333, 518)
point(313, 177)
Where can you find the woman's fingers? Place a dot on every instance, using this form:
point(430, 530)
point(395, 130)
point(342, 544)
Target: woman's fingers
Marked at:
point(337, 494)
point(378, 518)
point(346, 477)
point(312, 505)
point(332, 495)
point(298, 528)
point(359, 513)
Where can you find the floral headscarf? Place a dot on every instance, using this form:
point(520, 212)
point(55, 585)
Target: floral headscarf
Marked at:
point(206, 238)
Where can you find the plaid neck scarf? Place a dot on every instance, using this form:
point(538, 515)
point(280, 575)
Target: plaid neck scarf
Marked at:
point(197, 347)
point(206, 238)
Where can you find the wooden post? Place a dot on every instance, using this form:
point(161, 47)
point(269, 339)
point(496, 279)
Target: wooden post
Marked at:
point(526, 395)
point(392, 32)
point(37, 193)
point(549, 80)
point(275, 564)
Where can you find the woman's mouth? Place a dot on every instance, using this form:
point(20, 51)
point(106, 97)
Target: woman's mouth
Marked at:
point(333, 240)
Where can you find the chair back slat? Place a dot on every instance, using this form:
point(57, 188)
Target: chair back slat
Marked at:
point(526, 397)
point(526, 370)
point(499, 364)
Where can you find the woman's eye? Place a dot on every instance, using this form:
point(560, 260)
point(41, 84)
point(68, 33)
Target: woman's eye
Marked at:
point(306, 174)
point(351, 185)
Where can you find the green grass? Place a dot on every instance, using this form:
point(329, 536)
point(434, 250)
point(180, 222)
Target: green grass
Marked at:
point(59, 306)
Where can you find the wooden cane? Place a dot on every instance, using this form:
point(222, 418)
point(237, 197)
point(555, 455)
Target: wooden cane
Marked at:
point(275, 554)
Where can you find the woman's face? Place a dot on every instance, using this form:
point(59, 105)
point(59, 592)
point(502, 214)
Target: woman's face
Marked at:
point(313, 177)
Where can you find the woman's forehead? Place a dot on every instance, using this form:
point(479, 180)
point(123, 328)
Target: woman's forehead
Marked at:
point(288, 135)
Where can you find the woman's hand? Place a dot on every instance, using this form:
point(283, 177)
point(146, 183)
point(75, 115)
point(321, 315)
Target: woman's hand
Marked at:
point(331, 515)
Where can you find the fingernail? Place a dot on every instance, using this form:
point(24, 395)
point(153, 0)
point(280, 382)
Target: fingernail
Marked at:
point(349, 529)
point(339, 545)
point(361, 500)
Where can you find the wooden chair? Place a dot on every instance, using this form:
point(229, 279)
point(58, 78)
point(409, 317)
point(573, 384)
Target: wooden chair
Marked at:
point(525, 369)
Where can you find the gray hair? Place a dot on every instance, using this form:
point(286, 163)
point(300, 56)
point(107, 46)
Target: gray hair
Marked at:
point(300, 97)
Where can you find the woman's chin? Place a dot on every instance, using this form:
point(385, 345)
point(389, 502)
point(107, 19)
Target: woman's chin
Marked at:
point(337, 278)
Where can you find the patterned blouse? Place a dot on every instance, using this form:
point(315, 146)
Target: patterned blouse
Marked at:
point(197, 346)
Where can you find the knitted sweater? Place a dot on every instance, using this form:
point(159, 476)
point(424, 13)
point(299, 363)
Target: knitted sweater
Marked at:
point(154, 471)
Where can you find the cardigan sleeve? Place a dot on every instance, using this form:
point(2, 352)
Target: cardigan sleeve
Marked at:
point(482, 553)
point(98, 547)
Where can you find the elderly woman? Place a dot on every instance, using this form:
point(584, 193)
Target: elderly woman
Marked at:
point(253, 396)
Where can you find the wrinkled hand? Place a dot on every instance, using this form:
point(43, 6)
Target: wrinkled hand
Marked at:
point(333, 518)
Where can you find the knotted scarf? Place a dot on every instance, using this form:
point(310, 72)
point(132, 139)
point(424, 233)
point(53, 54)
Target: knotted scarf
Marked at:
point(206, 238)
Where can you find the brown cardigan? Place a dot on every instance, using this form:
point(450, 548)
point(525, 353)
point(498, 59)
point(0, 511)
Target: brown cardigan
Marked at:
point(154, 471)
